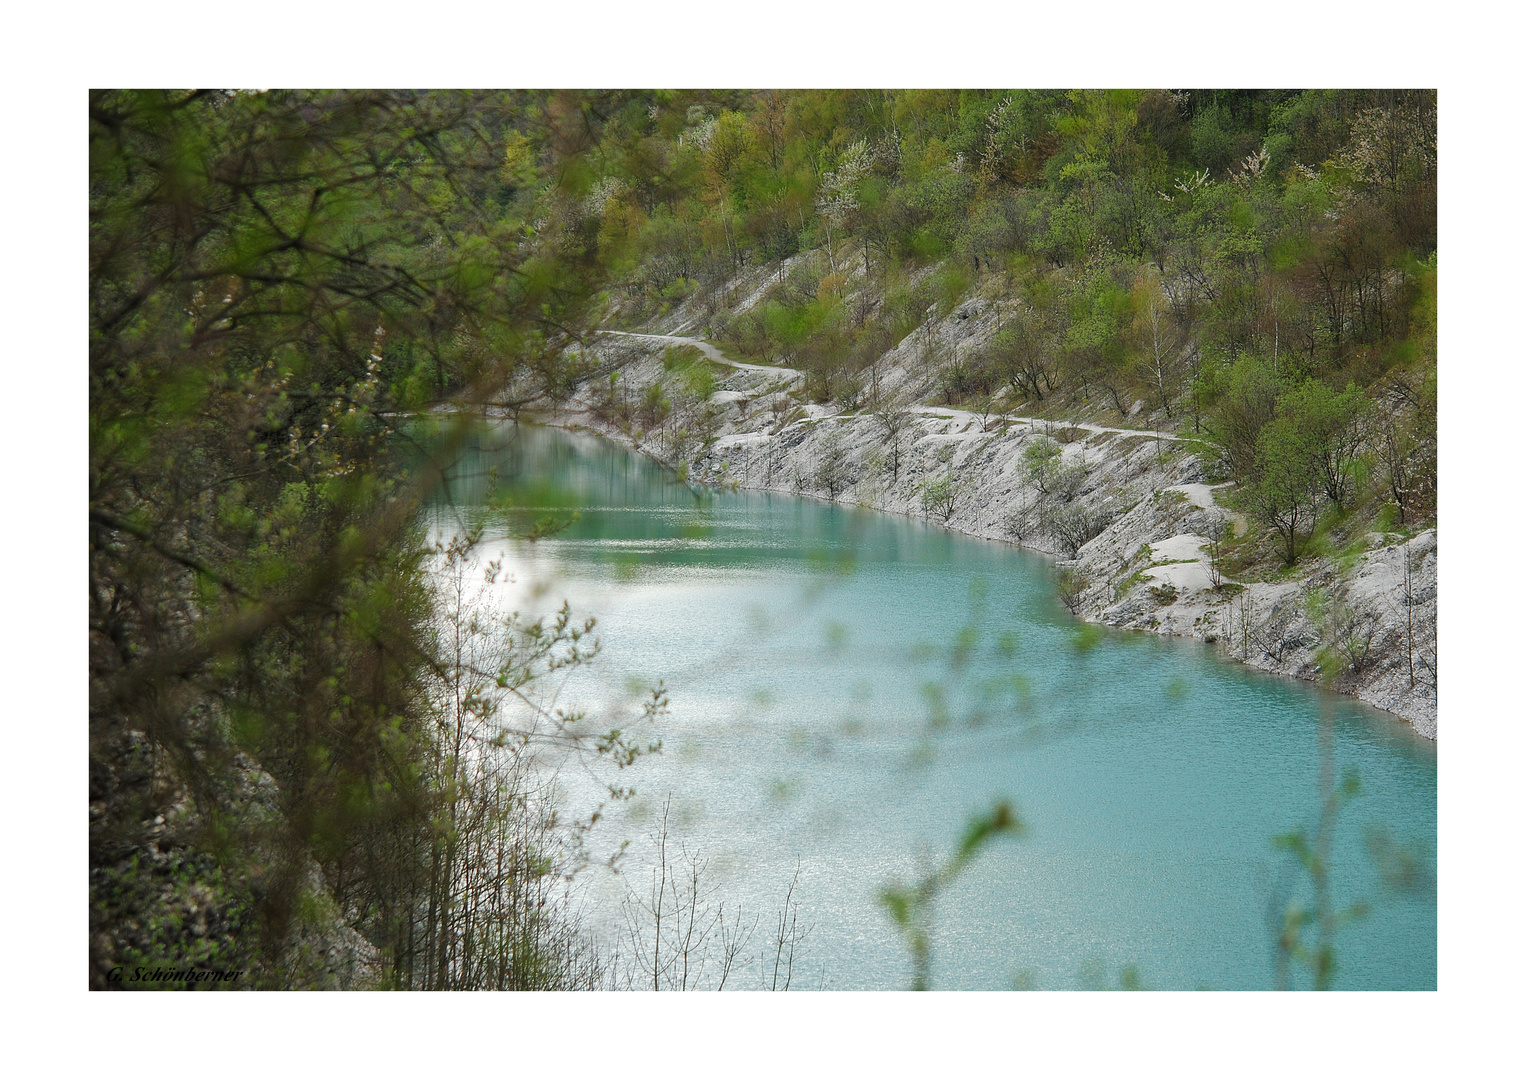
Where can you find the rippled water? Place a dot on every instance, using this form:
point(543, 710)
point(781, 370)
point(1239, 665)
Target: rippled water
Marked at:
point(849, 687)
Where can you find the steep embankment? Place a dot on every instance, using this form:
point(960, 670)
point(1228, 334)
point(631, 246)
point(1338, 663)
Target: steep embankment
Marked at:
point(1126, 513)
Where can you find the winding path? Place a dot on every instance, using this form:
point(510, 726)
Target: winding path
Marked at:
point(922, 410)
point(712, 352)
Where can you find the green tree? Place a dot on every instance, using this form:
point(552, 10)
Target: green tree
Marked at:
point(1247, 403)
point(275, 279)
point(1332, 424)
point(940, 495)
point(1025, 352)
point(1284, 485)
point(1094, 341)
point(1041, 460)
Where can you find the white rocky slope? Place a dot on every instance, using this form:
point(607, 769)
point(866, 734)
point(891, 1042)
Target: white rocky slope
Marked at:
point(1125, 511)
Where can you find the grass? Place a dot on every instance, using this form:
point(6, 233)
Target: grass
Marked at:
point(1328, 533)
point(1124, 587)
point(698, 374)
point(1316, 603)
point(1347, 557)
point(1332, 665)
point(1201, 447)
point(1242, 556)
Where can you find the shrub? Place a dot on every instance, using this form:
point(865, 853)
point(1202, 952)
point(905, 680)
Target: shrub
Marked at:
point(1018, 520)
point(1076, 525)
point(1071, 586)
point(941, 496)
point(832, 472)
point(1068, 481)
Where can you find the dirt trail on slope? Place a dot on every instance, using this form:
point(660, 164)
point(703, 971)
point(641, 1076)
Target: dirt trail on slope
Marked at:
point(922, 410)
point(712, 352)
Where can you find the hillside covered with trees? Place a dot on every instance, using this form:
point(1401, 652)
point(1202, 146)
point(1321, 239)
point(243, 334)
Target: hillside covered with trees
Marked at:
point(1255, 268)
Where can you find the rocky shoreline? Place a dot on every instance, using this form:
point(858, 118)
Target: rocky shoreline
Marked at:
point(1128, 515)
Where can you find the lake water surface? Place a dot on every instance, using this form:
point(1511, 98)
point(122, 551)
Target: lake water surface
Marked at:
point(849, 687)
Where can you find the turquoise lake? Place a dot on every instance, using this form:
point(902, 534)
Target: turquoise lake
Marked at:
point(849, 687)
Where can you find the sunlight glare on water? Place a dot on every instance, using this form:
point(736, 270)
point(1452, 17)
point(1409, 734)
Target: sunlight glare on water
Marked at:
point(849, 687)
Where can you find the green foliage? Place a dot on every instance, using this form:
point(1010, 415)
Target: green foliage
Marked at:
point(1245, 405)
point(1306, 925)
point(1282, 491)
point(1126, 585)
point(1041, 460)
point(940, 495)
point(910, 906)
point(1071, 586)
point(1294, 226)
point(1329, 421)
point(692, 370)
point(952, 281)
point(274, 278)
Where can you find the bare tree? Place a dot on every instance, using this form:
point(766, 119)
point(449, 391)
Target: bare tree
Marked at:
point(734, 938)
point(1409, 617)
point(787, 938)
point(1425, 657)
point(1019, 518)
point(1247, 618)
point(680, 931)
point(894, 420)
point(1397, 448)
point(670, 927)
point(1155, 339)
point(1215, 534)
point(832, 471)
point(1076, 525)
